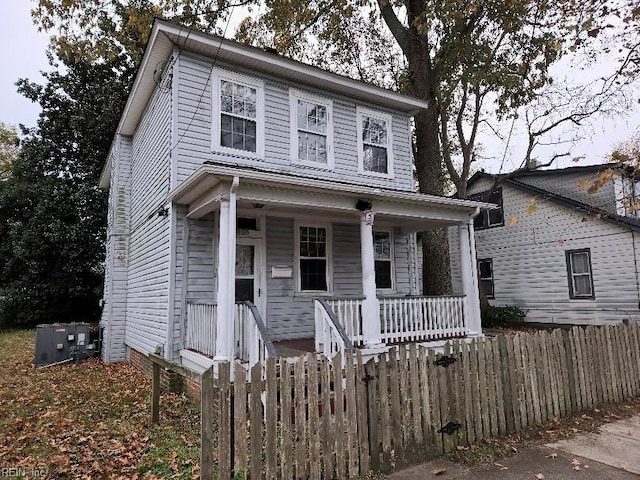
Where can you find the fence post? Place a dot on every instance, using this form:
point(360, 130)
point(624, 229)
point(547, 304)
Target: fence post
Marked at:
point(155, 394)
point(206, 425)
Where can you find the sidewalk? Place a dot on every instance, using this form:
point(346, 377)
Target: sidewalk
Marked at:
point(611, 453)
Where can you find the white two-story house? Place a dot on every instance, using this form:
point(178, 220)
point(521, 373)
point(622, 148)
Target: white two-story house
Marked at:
point(564, 243)
point(255, 200)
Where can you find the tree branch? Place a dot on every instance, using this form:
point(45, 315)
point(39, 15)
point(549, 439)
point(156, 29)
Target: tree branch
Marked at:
point(398, 30)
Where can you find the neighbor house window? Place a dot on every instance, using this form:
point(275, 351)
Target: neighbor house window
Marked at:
point(383, 259)
point(485, 275)
point(313, 258)
point(493, 217)
point(311, 130)
point(375, 155)
point(238, 119)
point(579, 273)
point(631, 197)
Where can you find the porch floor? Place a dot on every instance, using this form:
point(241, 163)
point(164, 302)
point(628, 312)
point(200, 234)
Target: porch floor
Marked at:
point(295, 348)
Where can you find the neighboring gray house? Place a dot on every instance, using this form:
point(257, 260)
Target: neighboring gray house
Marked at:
point(562, 253)
point(237, 175)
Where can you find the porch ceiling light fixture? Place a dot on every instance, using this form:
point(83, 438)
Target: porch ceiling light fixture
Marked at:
point(257, 205)
point(363, 205)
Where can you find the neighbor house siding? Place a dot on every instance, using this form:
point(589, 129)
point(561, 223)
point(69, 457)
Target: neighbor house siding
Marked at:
point(149, 244)
point(115, 283)
point(195, 117)
point(575, 185)
point(529, 263)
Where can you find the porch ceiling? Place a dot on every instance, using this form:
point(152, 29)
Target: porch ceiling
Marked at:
point(283, 193)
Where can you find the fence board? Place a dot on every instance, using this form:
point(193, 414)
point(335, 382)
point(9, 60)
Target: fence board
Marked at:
point(475, 386)
point(520, 390)
point(206, 428)
point(604, 368)
point(373, 414)
point(340, 435)
point(556, 371)
point(584, 395)
point(470, 433)
point(526, 380)
point(502, 426)
point(394, 396)
point(328, 445)
point(405, 399)
point(633, 372)
point(506, 382)
point(255, 443)
point(436, 418)
point(301, 438)
point(314, 418)
point(532, 380)
point(286, 440)
point(362, 415)
point(427, 427)
point(385, 410)
point(446, 399)
point(414, 380)
point(271, 433)
point(224, 431)
point(239, 419)
point(351, 420)
point(482, 384)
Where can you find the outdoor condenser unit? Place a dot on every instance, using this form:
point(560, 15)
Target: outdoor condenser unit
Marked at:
point(59, 342)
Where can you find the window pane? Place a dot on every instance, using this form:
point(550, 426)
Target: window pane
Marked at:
point(485, 269)
point(382, 245)
point(375, 159)
point(312, 116)
point(237, 133)
point(487, 287)
point(580, 262)
point(244, 259)
point(244, 289)
point(374, 130)
point(313, 241)
point(247, 223)
point(313, 274)
point(312, 147)
point(383, 273)
point(582, 285)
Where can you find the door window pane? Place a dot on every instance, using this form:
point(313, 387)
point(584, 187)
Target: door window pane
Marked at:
point(244, 259)
point(244, 289)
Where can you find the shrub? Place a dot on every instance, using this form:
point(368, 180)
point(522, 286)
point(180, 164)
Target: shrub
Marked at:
point(493, 316)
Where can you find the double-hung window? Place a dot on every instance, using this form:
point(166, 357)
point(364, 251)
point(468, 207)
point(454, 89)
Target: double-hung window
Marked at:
point(238, 114)
point(579, 273)
point(313, 258)
point(311, 130)
point(375, 149)
point(485, 275)
point(489, 218)
point(382, 252)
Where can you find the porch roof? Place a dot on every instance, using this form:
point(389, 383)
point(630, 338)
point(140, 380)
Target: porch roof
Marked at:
point(270, 192)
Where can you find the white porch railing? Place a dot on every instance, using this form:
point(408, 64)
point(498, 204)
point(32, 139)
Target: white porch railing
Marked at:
point(409, 319)
point(406, 319)
point(201, 326)
point(331, 338)
point(252, 343)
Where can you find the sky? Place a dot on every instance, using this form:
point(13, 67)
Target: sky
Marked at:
point(22, 55)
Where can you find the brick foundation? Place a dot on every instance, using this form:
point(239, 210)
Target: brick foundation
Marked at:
point(170, 380)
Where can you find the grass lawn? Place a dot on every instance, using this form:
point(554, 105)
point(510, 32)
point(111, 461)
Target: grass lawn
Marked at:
point(89, 420)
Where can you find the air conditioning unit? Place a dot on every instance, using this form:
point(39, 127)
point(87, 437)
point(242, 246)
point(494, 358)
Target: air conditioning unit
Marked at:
point(60, 342)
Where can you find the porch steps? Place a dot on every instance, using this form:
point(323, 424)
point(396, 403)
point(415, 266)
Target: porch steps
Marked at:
point(295, 348)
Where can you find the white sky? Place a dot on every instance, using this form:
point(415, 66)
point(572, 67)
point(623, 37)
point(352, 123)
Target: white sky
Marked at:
point(22, 55)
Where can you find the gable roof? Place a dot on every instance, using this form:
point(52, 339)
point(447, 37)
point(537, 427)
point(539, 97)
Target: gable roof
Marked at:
point(548, 172)
point(627, 222)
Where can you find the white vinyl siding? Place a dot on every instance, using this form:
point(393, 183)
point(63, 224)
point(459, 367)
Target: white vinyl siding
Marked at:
point(194, 123)
point(529, 261)
point(149, 239)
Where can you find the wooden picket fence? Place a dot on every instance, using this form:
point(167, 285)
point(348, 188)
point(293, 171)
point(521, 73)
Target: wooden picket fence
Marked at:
point(325, 419)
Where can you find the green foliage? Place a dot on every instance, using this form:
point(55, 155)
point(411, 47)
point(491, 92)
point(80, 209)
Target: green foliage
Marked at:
point(493, 316)
point(9, 148)
point(52, 213)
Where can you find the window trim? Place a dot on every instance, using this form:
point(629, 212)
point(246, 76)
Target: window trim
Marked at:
point(296, 257)
point(217, 76)
point(294, 96)
point(492, 278)
point(362, 112)
point(570, 274)
point(485, 214)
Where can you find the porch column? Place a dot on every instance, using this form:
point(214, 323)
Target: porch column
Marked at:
point(370, 304)
point(468, 270)
point(223, 325)
point(226, 294)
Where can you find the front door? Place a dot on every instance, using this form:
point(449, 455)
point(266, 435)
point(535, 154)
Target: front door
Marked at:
point(250, 283)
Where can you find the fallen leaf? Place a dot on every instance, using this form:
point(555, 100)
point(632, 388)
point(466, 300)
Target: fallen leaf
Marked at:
point(512, 221)
point(575, 461)
point(438, 471)
point(539, 476)
point(577, 468)
point(552, 455)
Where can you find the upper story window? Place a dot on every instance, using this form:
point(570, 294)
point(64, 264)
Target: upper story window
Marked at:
point(238, 114)
point(493, 217)
point(382, 252)
point(375, 149)
point(579, 273)
point(311, 130)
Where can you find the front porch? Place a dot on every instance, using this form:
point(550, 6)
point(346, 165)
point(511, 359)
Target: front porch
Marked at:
point(269, 258)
